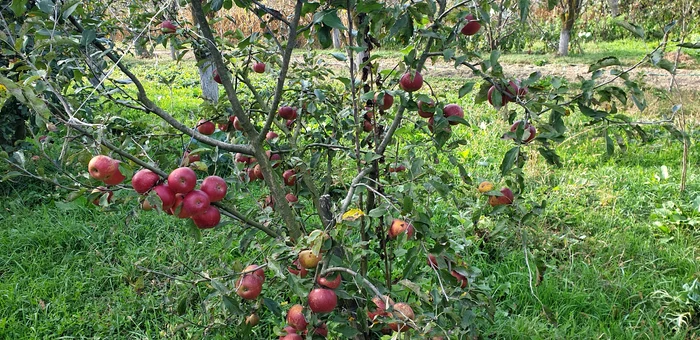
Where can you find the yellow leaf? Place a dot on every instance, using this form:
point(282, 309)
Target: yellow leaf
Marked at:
point(353, 214)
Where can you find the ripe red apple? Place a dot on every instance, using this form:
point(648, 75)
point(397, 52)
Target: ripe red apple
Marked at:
point(453, 110)
point(205, 127)
point(168, 27)
point(144, 180)
point(411, 82)
point(251, 174)
point(399, 226)
point(259, 68)
point(321, 330)
point(461, 279)
point(274, 158)
point(424, 109)
point(529, 132)
point(103, 191)
point(332, 284)
point(290, 123)
point(223, 126)
point(504, 97)
point(397, 167)
point(241, 158)
point(271, 135)
point(217, 77)
point(290, 177)
point(292, 336)
point(252, 320)
point(432, 261)
point(287, 112)
point(291, 198)
point(192, 158)
point(472, 26)
point(367, 126)
point(387, 102)
point(308, 259)
point(300, 271)
point(506, 199)
point(404, 313)
point(237, 124)
point(257, 172)
point(322, 300)
point(381, 302)
point(101, 167)
point(116, 177)
point(195, 202)
point(177, 206)
point(513, 91)
point(182, 180)
point(256, 270)
point(431, 124)
point(166, 196)
point(210, 218)
point(215, 187)
point(296, 319)
point(249, 287)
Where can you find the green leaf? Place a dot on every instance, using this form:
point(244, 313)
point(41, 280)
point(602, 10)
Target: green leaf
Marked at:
point(324, 36)
point(273, 306)
point(45, 6)
point(604, 62)
point(524, 6)
point(377, 212)
point(88, 37)
point(609, 145)
point(231, 305)
point(331, 19)
point(695, 45)
point(216, 5)
point(339, 56)
point(587, 111)
point(466, 88)
point(18, 7)
point(68, 11)
point(509, 160)
point(309, 7)
point(637, 30)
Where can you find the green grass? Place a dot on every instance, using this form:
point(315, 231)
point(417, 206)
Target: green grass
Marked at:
point(615, 246)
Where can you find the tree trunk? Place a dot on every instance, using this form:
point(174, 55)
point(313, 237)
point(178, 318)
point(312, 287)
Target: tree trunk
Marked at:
point(564, 38)
point(336, 38)
point(568, 17)
point(614, 7)
point(210, 89)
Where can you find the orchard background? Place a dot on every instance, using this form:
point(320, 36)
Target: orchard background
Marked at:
point(396, 170)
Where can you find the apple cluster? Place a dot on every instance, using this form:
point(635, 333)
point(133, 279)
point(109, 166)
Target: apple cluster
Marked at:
point(401, 312)
point(505, 197)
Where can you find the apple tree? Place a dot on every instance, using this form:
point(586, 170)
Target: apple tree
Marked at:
point(355, 224)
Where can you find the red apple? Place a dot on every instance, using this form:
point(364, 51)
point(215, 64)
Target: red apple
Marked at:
point(116, 177)
point(210, 218)
point(506, 199)
point(166, 196)
point(290, 123)
point(404, 313)
point(205, 127)
point(144, 180)
point(251, 174)
point(529, 131)
point(271, 135)
point(461, 279)
point(296, 319)
point(101, 167)
point(300, 271)
point(292, 336)
point(177, 206)
point(381, 302)
point(195, 202)
point(332, 284)
point(103, 191)
point(321, 330)
point(192, 158)
point(291, 198)
point(411, 82)
point(397, 167)
point(290, 177)
point(472, 26)
point(367, 126)
point(215, 187)
point(432, 261)
point(241, 158)
point(453, 110)
point(257, 172)
point(259, 68)
point(504, 97)
point(182, 180)
point(223, 127)
point(167, 27)
point(256, 270)
point(424, 109)
point(398, 227)
point(287, 112)
point(217, 77)
point(322, 300)
point(387, 102)
point(237, 124)
point(249, 287)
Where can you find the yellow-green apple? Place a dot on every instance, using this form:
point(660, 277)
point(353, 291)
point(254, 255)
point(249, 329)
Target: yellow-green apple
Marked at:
point(308, 259)
point(215, 187)
point(485, 187)
point(182, 180)
point(322, 300)
point(144, 180)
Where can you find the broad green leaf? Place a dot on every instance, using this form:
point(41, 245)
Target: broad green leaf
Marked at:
point(695, 45)
point(604, 62)
point(331, 19)
point(273, 306)
point(18, 7)
point(524, 6)
point(637, 30)
point(466, 88)
point(339, 56)
point(509, 160)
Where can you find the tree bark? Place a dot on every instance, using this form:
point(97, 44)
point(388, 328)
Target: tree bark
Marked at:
point(614, 7)
point(336, 38)
point(210, 89)
point(568, 18)
point(564, 38)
